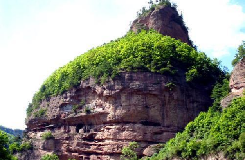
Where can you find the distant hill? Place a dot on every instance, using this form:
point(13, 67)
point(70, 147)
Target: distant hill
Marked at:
point(14, 132)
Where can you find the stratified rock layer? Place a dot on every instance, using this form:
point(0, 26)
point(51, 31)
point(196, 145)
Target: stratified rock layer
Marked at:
point(145, 107)
point(165, 20)
point(237, 83)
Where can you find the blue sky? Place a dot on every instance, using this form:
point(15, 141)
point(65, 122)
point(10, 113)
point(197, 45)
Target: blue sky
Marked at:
point(39, 36)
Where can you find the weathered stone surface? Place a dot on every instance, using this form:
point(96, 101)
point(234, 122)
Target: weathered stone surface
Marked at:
point(237, 83)
point(165, 20)
point(150, 150)
point(133, 107)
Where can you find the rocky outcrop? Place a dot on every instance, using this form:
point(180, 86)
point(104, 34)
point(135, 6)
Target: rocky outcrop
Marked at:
point(165, 20)
point(237, 83)
point(95, 121)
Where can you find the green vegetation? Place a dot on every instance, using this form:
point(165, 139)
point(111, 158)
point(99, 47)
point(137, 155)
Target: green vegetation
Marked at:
point(220, 90)
point(47, 135)
point(210, 133)
point(40, 113)
point(129, 153)
point(87, 110)
point(240, 54)
point(74, 108)
point(4, 150)
point(50, 157)
point(152, 5)
point(170, 85)
point(145, 51)
point(29, 110)
point(78, 106)
point(82, 103)
point(17, 147)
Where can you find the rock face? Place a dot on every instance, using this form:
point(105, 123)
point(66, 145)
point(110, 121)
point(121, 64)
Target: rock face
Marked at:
point(165, 20)
point(237, 83)
point(145, 107)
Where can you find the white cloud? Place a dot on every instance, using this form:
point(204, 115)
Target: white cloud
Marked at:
point(215, 25)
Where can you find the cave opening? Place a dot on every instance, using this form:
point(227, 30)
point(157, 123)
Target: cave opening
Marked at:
point(149, 123)
point(78, 127)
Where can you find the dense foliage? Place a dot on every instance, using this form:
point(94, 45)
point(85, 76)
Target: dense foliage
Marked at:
point(240, 54)
point(145, 51)
point(50, 157)
point(210, 133)
point(4, 147)
point(19, 147)
point(220, 90)
point(128, 152)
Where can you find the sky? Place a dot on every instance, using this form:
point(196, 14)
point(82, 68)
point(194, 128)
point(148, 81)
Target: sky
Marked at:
point(39, 36)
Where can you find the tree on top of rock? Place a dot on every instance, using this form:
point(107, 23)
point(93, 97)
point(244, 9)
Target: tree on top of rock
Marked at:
point(240, 54)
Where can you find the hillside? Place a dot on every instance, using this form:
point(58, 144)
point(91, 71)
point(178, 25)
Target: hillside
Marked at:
point(14, 132)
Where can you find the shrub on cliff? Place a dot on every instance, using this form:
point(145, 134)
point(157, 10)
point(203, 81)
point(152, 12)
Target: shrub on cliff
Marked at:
point(240, 54)
point(152, 5)
point(47, 135)
point(145, 51)
point(50, 157)
point(129, 153)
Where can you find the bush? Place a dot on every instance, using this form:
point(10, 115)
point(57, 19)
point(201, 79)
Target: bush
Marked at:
point(74, 108)
point(239, 55)
point(50, 157)
point(129, 153)
point(29, 110)
point(47, 135)
point(40, 113)
point(87, 110)
point(170, 85)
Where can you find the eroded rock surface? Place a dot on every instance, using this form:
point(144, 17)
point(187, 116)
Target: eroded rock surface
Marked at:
point(139, 106)
point(165, 20)
point(237, 83)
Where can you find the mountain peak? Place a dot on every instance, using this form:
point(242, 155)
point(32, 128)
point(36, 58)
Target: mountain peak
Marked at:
point(164, 19)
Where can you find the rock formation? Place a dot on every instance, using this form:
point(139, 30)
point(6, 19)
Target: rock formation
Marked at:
point(165, 20)
point(237, 83)
point(139, 106)
point(92, 121)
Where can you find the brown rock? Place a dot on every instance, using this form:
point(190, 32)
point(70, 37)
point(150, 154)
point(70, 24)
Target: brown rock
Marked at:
point(150, 150)
point(165, 20)
point(133, 107)
point(237, 83)
point(237, 80)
